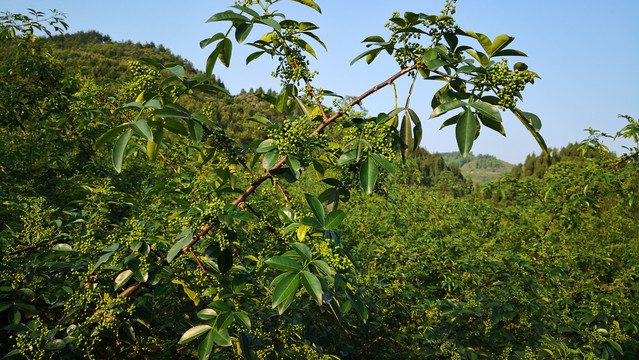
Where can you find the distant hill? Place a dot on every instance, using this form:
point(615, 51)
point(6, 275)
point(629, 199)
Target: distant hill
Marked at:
point(479, 168)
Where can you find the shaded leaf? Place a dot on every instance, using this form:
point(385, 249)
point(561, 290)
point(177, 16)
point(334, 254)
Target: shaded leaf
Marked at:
point(122, 278)
point(285, 290)
point(334, 219)
point(119, 150)
point(316, 208)
point(368, 175)
point(313, 286)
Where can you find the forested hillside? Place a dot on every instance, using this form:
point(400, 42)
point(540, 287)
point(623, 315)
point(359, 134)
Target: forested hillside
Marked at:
point(150, 214)
point(481, 168)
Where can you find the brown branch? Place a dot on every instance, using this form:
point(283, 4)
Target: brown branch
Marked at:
point(167, 162)
point(128, 292)
point(36, 246)
point(199, 265)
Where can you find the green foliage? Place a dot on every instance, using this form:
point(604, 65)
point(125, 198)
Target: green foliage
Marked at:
point(147, 218)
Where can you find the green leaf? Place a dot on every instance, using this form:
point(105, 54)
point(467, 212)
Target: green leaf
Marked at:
point(270, 22)
point(303, 250)
point(226, 49)
point(347, 157)
point(334, 219)
point(206, 346)
point(528, 124)
point(204, 43)
point(509, 52)
point(212, 59)
point(286, 215)
point(195, 130)
point(313, 286)
point(246, 10)
point(122, 278)
point(141, 127)
point(55, 344)
point(312, 222)
point(225, 260)
point(309, 3)
point(465, 132)
point(492, 124)
point(483, 40)
point(417, 128)
point(270, 159)
point(374, 38)
point(616, 346)
point(446, 107)
point(177, 70)
point(194, 333)
point(358, 304)
point(322, 267)
point(181, 240)
point(366, 53)
point(316, 208)
point(119, 150)
point(487, 110)
point(207, 314)
point(109, 135)
point(283, 263)
point(499, 43)
point(405, 136)
point(221, 337)
point(266, 146)
point(228, 15)
point(242, 31)
point(171, 114)
point(254, 56)
point(285, 291)
point(368, 175)
point(243, 318)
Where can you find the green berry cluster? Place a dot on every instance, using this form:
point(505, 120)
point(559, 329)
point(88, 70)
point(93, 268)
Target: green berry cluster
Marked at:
point(291, 137)
point(145, 78)
point(293, 65)
point(508, 83)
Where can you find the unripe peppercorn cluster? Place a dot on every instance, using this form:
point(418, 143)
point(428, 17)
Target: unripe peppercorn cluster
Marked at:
point(291, 137)
point(293, 65)
point(508, 83)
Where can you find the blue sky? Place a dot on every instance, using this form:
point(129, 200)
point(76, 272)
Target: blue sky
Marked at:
point(586, 52)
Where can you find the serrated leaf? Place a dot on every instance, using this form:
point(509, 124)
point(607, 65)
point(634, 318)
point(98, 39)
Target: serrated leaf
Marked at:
point(368, 175)
point(122, 278)
point(285, 291)
point(283, 263)
point(194, 333)
point(312, 286)
point(465, 132)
